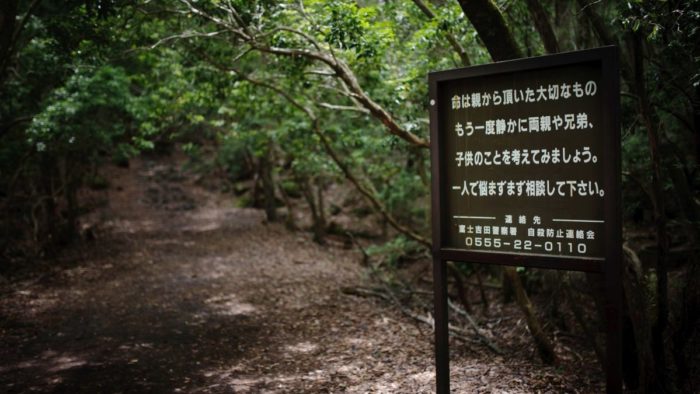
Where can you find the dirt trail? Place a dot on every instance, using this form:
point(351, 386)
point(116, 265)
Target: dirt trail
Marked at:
point(183, 292)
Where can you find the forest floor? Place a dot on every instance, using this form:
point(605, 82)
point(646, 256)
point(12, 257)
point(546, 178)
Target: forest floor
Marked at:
point(181, 291)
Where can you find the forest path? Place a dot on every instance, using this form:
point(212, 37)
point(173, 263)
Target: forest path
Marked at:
point(183, 292)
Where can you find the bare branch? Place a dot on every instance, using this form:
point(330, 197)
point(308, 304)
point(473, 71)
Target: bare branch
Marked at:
point(321, 73)
point(341, 69)
point(185, 35)
point(343, 108)
point(238, 32)
point(240, 55)
point(340, 91)
point(279, 91)
point(364, 189)
point(300, 33)
point(475, 328)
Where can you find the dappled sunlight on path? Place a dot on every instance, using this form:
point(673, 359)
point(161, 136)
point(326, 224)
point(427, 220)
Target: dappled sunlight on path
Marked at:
point(178, 296)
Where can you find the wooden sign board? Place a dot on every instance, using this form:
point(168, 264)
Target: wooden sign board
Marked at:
point(526, 161)
point(526, 164)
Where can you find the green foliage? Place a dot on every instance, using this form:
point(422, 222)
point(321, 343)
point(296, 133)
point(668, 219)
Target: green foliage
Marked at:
point(88, 113)
point(231, 156)
point(400, 196)
point(635, 165)
point(391, 252)
point(291, 188)
point(97, 182)
point(111, 79)
point(356, 28)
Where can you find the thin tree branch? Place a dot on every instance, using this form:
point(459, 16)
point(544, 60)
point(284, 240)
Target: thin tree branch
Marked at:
point(343, 108)
point(300, 33)
point(475, 328)
point(277, 90)
point(461, 52)
point(184, 35)
point(325, 142)
point(237, 32)
point(341, 69)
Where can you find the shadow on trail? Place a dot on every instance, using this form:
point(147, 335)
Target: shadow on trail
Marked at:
point(129, 330)
point(182, 291)
point(166, 300)
point(186, 316)
point(159, 354)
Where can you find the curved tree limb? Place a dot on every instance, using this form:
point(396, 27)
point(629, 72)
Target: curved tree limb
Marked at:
point(366, 191)
point(346, 75)
point(324, 55)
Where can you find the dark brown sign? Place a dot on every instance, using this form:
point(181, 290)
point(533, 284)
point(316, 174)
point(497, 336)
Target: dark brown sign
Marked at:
point(527, 160)
point(526, 172)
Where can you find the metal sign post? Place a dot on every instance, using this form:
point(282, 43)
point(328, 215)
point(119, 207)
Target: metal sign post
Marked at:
point(526, 172)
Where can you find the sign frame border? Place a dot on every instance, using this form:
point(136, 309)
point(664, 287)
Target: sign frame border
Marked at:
point(610, 268)
point(608, 57)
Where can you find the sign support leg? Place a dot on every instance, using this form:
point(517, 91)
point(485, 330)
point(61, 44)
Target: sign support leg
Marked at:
point(613, 311)
point(442, 350)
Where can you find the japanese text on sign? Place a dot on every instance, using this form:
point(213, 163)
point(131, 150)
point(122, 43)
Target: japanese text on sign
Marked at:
point(523, 164)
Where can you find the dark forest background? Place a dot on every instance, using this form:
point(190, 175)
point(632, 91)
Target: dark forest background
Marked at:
point(285, 100)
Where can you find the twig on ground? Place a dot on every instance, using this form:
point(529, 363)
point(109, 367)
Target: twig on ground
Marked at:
point(457, 332)
point(475, 328)
point(364, 292)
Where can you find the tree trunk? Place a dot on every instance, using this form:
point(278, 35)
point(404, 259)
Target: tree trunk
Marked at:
point(266, 167)
point(321, 204)
point(544, 28)
point(637, 302)
point(689, 304)
point(482, 292)
point(70, 181)
point(598, 23)
point(290, 221)
point(605, 37)
point(489, 23)
point(589, 330)
point(647, 114)
point(47, 222)
point(8, 18)
point(318, 225)
point(459, 283)
point(696, 124)
point(689, 315)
